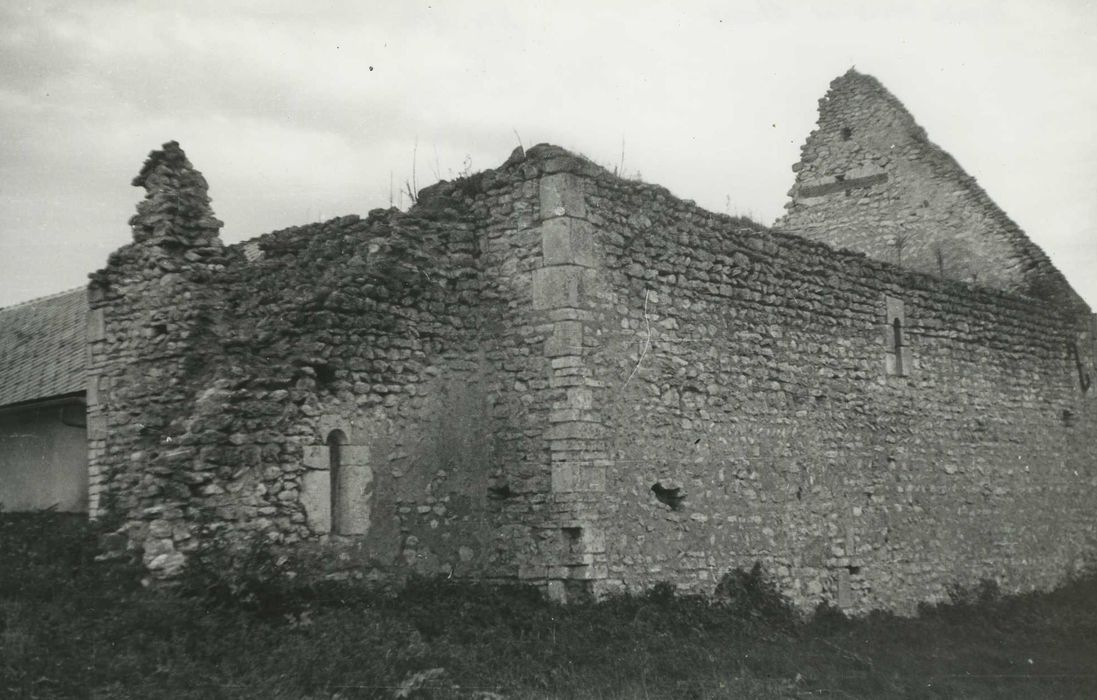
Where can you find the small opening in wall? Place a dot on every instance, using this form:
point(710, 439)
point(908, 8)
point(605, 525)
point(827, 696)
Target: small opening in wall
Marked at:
point(854, 570)
point(847, 133)
point(325, 374)
point(897, 344)
point(841, 178)
point(573, 539)
point(159, 329)
point(501, 491)
point(336, 440)
point(1083, 376)
point(1068, 417)
point(670, 495)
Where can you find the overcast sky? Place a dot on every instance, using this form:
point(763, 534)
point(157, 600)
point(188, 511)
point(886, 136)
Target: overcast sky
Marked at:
point(308, 112)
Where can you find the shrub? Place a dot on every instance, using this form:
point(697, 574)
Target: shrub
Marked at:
point(662, 593)
point(828, 618)
point(986, 592)
point(243, 572)
point(65, 631)
point(752, 594)
point(49, 555)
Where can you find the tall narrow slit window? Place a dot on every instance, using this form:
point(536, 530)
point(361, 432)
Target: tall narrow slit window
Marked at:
point(336, 440)
point(898, 359)
point(897, 344)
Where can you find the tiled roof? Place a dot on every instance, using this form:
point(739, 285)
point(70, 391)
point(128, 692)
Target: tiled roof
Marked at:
point(42, 347)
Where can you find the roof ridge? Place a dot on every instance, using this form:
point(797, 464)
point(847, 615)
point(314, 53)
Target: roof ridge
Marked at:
point(47, 297)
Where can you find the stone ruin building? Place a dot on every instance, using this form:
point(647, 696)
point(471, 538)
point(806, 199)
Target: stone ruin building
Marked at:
point(545, 373)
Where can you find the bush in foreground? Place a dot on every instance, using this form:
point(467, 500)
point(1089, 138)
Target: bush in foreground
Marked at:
point(73, 627)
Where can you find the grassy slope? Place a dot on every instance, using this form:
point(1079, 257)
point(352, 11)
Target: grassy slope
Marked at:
point(72, 628)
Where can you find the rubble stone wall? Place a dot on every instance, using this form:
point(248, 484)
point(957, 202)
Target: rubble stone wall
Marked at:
point(546, 373)
point(149, 339)
point(407, 344)
point(870, 180)
point(758, 406)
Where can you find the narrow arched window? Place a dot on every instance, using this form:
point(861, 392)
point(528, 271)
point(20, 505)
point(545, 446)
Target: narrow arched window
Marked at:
point(897, 344)
point(336, 440)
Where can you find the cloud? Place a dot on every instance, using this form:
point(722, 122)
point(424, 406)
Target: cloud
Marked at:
point(277, 105)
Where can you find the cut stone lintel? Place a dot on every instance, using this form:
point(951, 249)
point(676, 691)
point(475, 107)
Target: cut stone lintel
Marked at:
point(572, 415)
point(316, 457)
point(575, 431)
point(97, 426)
point(566, 339)
point(91, 391)
point(96, 326)
point(581, 398)
point(316, 499)
point(895, 309)
point(575, 476)
point(566, 241)
point(561, 286)
point(562, 195)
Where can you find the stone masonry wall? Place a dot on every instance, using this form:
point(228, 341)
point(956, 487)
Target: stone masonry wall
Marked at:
point(756, 407)
point(548, 374)
point(149, 331)
point(869, 180)
point(422, 362)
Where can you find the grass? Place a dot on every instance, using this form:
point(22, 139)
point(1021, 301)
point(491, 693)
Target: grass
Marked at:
point(72, 627)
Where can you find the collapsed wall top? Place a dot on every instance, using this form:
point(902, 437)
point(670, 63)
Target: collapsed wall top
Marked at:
point(176, 209)
point(871, 181)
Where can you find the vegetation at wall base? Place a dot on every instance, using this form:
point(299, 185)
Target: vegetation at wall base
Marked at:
point(74, 627)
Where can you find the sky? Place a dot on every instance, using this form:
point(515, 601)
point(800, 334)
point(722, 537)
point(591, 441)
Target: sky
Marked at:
point(297, 112)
